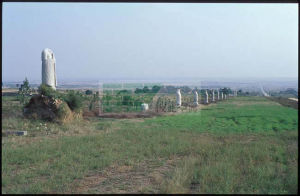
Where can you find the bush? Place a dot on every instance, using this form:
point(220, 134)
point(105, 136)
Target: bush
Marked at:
point(48, 91)
point(127, 100)
point(137, 90)
point(155, 89)
point(88, 92)
point(63, 112)
point(24, 91)
point(74, 100)
point(146, 89)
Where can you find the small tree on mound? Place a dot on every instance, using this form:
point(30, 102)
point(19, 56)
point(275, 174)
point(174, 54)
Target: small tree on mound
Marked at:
point(24, 91)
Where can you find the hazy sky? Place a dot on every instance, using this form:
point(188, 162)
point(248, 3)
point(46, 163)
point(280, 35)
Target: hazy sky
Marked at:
point(148, 40)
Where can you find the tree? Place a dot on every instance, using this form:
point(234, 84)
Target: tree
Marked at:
point(88, 92)
point(155, 89)
point(146, 89)
point(138, 90)
point(24, 91)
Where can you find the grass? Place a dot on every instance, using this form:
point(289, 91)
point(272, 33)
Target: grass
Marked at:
point(242, 145)
point(227, 117)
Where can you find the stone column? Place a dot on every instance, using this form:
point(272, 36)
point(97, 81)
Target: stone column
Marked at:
point(144, 106)
point(49, 68)
point(213, 95)
point(206, 97)
point(195, 97)
point(221, 95)
point(218, 94)
point(178, 98)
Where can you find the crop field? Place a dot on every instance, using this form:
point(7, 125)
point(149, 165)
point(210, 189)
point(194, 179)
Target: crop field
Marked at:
point(239, 145)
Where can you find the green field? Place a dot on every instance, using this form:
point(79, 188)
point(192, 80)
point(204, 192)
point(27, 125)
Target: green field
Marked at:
point(240, 145)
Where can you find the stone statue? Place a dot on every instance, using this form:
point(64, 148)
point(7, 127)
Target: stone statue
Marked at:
point(49, 68)
point(206, 97)
point(144, 106)
point(195, 97)
point(178, 98)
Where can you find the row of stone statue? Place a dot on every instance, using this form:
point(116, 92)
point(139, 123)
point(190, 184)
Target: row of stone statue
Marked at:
point(220, 96)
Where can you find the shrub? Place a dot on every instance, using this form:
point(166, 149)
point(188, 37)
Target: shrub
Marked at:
point(155, 89)
point(88, 92)
point(74, 100)
point(123, 91)
point(63, 112)
point(146, 89)
point(24, 91)
point(137, 90)
point(48, 91)
point(127, 100)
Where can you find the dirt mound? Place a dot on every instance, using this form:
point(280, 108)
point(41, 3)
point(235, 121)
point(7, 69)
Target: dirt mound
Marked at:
point(47, 108)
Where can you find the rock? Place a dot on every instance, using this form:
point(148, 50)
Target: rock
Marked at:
point(19, 133)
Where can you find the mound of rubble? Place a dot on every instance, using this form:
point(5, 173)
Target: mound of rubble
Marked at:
point(47, 108)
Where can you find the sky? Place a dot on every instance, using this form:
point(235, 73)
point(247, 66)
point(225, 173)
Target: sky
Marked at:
point(150, 40)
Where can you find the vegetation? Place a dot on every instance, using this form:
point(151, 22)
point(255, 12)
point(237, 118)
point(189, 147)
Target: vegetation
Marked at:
point(48, 91)
point(154, 89)
point(290, 92)
point(240, 145)
point(24, 91)
point(88, 92)
point(72, 98)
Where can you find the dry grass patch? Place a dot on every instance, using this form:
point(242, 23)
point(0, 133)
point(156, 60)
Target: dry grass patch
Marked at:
point(143, 177)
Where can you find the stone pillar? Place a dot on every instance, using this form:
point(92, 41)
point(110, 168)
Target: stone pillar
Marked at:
point(218, 93)
point(49, 68)
point(178, 98)
point(195, 97)
point(224, 96)
point(206, 97)
point(221, 95)
point(144, 106)
point(213, 95)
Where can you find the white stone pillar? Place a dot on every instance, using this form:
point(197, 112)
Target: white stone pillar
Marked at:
point(218, 93)
point(221, 95)
point(213, 95)
point(178, 98)
point(206, 97)
point(144, 106)
point(224, 96)
point(48, 68)
point(195, 97)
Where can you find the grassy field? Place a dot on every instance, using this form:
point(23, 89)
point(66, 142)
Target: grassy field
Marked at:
point(240, 145)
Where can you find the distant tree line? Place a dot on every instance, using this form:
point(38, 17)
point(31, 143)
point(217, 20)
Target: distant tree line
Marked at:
point(154, 89)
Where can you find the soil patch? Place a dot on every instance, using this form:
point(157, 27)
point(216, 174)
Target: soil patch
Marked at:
point(285, 102)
